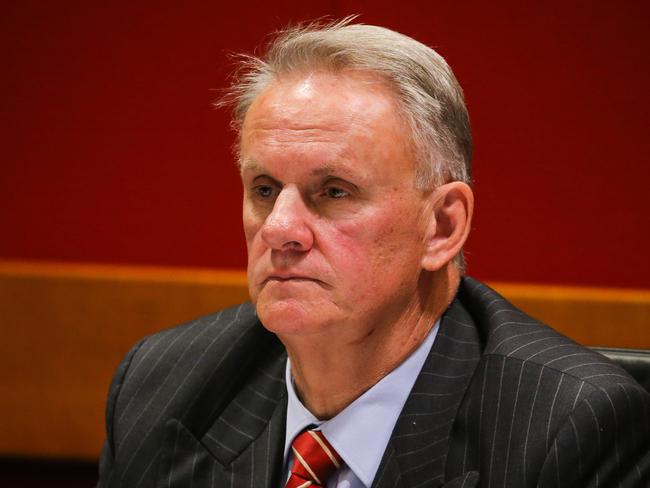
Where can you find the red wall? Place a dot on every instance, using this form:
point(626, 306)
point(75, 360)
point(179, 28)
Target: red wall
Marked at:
point(111, 151)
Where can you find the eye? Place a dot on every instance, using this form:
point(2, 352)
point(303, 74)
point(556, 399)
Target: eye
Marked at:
point(263, 191)
point(334, 192)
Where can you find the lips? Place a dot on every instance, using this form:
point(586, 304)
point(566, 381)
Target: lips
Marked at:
point(290, 277)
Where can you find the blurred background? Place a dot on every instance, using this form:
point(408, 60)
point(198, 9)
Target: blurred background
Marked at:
point(120, 201)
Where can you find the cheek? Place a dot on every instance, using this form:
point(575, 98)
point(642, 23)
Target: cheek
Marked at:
point(255, 250)
point(368, 247)
point(252, 224)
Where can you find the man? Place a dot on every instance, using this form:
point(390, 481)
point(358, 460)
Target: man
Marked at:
point(364, 344)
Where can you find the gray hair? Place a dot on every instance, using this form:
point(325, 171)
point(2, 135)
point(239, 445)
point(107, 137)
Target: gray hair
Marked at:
point(430, 97)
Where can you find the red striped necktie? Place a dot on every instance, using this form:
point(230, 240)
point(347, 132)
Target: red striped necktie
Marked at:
point(314, 460)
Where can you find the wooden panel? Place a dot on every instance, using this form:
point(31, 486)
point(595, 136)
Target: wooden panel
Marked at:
point(66, 327)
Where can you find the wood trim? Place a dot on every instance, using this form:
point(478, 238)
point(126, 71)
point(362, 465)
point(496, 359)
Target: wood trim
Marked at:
point(66, 326)
point(108, 272)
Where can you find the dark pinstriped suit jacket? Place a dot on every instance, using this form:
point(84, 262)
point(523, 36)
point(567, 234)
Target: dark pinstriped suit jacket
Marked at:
point(502, 401)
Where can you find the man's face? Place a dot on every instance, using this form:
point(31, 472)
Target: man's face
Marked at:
point(333, 223)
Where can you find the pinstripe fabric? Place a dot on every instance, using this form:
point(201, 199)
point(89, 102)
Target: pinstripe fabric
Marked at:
point(502, 401)
point(544, 411)
point(198, 405)
point(419, 444)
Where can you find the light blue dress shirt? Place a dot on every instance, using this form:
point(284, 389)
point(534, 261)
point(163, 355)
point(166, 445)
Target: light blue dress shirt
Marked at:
point(359, 433)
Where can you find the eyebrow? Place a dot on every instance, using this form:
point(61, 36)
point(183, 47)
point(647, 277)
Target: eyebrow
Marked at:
point(249, 165)
point(327, 170)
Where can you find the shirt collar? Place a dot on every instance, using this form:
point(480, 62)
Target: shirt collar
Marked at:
point(355, 432)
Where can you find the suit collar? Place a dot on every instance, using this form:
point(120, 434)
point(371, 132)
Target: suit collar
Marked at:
point(418, 446)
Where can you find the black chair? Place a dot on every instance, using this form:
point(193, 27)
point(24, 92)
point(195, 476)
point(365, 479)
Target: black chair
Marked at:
point(634, 361)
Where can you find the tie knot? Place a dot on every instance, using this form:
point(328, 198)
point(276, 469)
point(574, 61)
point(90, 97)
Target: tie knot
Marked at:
point(315, 460)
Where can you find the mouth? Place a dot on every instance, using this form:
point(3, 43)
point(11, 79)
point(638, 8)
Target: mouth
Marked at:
point(291, 278)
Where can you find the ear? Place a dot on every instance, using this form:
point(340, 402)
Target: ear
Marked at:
point(451, 218)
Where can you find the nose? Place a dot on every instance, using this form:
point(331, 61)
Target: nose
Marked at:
point(287, 226)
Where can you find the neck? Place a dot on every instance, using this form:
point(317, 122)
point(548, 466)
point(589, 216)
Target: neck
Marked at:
point(330, 371)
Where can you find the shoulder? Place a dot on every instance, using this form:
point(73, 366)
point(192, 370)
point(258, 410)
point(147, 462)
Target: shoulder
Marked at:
point(512, 335)
point(206, 343)
point(550, 403)
point(231, 328)
point(179, 358)
point(175, 372)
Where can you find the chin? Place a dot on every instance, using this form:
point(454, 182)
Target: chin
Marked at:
point(291, 317)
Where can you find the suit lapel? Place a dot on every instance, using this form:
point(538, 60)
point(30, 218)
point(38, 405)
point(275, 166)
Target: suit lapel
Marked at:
point(248, 437)
point(417, 451)
point(243, 445)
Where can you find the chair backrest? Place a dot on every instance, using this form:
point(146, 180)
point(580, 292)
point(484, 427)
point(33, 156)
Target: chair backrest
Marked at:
point(634, 361)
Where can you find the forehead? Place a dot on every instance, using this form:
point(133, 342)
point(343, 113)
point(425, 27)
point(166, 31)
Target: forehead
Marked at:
point(324, 93)
point(347, 111)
